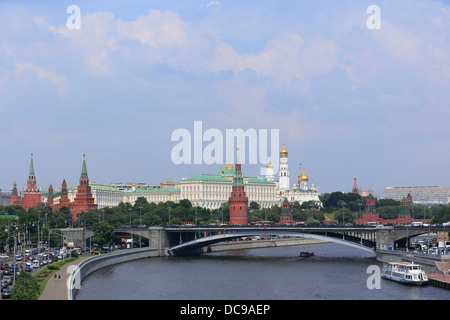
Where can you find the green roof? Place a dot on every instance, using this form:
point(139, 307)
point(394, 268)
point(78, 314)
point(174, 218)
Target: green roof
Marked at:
point(226, 172)
point(258, 180)
point(155, 190)
point(208, 178)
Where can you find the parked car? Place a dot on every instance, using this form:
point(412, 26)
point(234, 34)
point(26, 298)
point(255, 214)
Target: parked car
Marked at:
point(3, 256)
point(4, 283)
point(8, 280)
point(6, 293)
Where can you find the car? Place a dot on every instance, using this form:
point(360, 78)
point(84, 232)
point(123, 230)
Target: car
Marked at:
point(8, 280)
point(3, 256)
point(4, 283)
point(6, 293)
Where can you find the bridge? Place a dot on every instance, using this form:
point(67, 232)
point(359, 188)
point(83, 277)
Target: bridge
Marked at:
point(371, 239)
point(190, 239)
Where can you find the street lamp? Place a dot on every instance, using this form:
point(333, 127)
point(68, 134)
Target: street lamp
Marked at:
point(360, 204)
point(140, 225)
point(131, 230)
point(343, 212)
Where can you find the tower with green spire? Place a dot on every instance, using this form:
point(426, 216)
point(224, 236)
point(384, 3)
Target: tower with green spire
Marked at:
point(84, 201)
point(31, 195)
point(238, 200)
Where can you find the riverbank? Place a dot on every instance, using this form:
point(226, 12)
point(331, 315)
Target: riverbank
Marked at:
point(55, 287)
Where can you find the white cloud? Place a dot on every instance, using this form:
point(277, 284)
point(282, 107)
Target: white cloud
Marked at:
point(156, 29)
point(285, 58)
point(212, 3)
point(56, 79)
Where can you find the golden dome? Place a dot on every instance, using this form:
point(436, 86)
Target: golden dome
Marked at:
point(269, 165)
point(283, 151)
point(304, 177)
point(229, 166)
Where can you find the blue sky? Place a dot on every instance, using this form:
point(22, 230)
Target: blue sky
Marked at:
point(348, 101)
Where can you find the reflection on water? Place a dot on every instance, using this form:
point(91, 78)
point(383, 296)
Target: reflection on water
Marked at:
point(334, 272)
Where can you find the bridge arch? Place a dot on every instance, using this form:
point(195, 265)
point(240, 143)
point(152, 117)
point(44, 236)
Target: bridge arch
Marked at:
point(193, 245)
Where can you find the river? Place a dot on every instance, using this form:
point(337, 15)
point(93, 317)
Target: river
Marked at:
point(334, 272)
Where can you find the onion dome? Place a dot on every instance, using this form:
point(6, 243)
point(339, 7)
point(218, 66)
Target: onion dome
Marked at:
point(304, 177)
point(283, 152)
point(229, 166)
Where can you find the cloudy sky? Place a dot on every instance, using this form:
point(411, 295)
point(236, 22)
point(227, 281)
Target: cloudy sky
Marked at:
point(347, 100)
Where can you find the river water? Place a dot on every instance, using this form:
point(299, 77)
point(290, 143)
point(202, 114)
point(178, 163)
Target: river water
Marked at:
point(334, 272)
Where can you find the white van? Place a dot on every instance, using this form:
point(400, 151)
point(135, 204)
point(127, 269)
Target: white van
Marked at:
point(35, 263)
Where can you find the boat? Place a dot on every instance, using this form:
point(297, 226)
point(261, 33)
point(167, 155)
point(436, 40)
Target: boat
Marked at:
point(306, 254)
point(404, 272)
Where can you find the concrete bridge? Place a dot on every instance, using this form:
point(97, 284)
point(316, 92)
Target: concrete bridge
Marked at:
point(372, 239)
point(188, 240)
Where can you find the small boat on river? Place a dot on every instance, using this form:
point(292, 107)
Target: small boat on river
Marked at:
point(404, 272)
point(306, 254)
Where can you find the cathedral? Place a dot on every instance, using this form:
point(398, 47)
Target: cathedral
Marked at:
point(300, 191)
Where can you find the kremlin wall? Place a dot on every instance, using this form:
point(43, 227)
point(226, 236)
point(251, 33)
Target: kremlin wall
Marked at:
point(209, 191)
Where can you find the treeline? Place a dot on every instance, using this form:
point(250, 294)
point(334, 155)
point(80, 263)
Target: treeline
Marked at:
point(347, 206)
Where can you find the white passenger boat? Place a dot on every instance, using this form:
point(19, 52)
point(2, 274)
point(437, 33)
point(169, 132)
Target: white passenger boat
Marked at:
point(404, 272)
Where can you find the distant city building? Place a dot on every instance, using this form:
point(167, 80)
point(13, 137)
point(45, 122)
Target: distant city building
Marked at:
point(427, 195)
point(5, 197)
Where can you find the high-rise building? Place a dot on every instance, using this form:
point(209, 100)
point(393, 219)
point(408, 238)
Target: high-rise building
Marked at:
point(427, 195)
point(238, 200)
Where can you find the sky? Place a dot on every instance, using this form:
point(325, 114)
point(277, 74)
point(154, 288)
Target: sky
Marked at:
point(347, 99)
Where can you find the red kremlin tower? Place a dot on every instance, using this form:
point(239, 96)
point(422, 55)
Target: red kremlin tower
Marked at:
point(50, 196)
point(31, 196)
point(286, 216)
point(84, 201)
point(355, 187)
point(14, 201)
point(238, 201)
point(64, 201)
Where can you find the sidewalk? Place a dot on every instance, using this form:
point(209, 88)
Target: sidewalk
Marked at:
point(56, 289)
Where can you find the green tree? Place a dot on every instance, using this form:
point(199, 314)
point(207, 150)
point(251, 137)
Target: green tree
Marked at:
point(443, 215)
point(254, 206)
point(104, 233)
point(25, 288)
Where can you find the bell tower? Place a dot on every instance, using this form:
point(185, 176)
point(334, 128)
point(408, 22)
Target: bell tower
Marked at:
point(284, 170)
